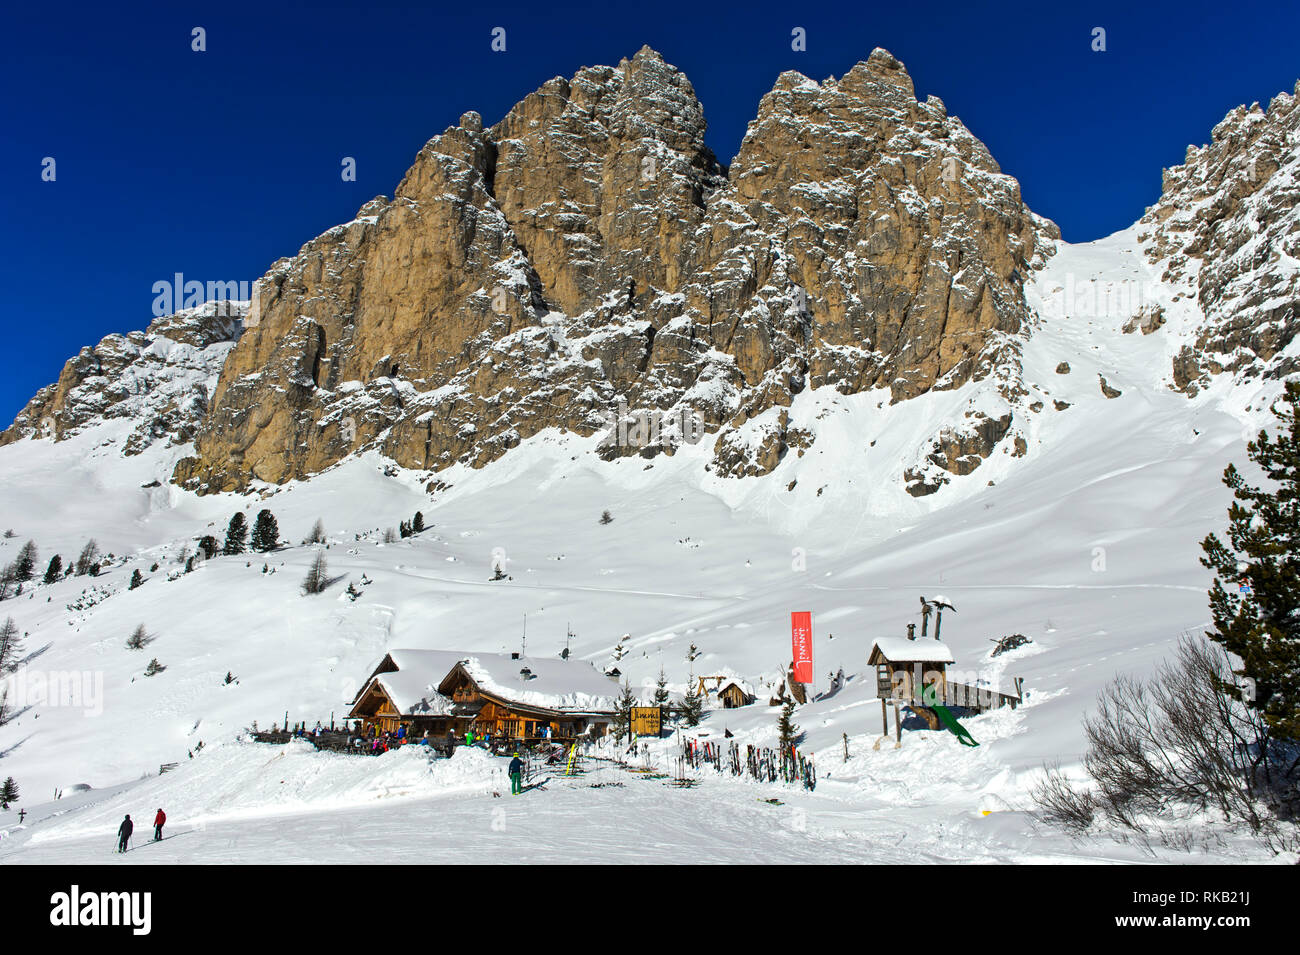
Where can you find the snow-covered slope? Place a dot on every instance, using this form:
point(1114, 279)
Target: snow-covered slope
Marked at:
point(1061, 493)
point(1087, 544)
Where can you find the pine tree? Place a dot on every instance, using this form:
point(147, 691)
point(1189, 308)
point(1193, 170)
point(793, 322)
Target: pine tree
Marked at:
point(8, 577)
point(1255, 598)
point(266, 532)
point(25, 562)
point(785, 726)
point(139, 638)
point(693, 704)
point(417, 523)
point(154, 668)
point(606, 517)
point(404, 529)
point(661, 689)
point(622, 722)
point(11, 646)
point(236, 534)
point(317, 578)
point(317, 535)
point(5, 716)
point(137, 579)
point(8, 792)
point(88, 558)
point(208, 545)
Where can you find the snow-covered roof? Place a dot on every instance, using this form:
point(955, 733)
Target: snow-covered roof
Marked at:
point(923, 650)
point(414, 693)
point(569, 685)
point(554, 684)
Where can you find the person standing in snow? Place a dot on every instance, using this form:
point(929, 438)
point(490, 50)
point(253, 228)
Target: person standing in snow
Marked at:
point(124, 833)
point(158, 822)
point(516, 775)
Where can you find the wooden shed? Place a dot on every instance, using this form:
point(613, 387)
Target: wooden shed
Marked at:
point(734, 694)
point(903, 666)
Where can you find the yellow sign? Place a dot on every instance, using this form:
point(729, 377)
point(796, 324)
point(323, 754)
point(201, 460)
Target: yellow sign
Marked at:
point(647, 720)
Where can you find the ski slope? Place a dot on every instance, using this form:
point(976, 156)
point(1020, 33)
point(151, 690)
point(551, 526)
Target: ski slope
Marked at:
point(1088, 545)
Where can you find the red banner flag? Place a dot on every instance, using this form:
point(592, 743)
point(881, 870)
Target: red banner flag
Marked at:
point(801, 642)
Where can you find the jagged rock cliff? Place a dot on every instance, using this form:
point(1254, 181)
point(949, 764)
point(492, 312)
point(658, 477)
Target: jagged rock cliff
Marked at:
point(1226, 232)
point(589, 250)
point(158, 381)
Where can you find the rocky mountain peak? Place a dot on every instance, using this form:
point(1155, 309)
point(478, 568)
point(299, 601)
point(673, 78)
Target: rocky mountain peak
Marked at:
point(588, 253)
point(1226, 235)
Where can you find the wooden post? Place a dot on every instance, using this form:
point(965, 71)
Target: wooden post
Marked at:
point(846, 747)
point(898, 727)
point(884, 717)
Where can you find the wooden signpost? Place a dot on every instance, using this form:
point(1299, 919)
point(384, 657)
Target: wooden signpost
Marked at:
point(647, 720)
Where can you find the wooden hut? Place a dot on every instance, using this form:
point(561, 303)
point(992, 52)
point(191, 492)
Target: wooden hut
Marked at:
point(734, 694)
point(521, 699)
point(903, 666)
point(402, 691)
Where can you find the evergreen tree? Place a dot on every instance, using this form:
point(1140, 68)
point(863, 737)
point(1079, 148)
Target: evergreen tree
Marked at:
point(11, 646)
point(266, 532)
point(139, 638)
point(317, 578)
point(785, 726)
point(1255, 598)
point(137, 579)
point(5, 716)
point(154, 668)
point(404, 529)
point(606, 517)
point(88, 558)
point(8, 792)
point(8, 577)
point(661, 689)
point(317, 535)
point(236, 534)
point(208, 545)
point(25, 562)
point(693, 704)
point(623, 713)
point(417, 523)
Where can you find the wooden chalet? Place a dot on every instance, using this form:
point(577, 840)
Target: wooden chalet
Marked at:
point(448, 693)
point(402, 691)
point(524, 699)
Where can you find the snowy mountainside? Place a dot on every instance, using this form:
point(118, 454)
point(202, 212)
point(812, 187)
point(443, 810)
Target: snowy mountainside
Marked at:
point(1087, 544)
point(159, 380)
point(1061, 493)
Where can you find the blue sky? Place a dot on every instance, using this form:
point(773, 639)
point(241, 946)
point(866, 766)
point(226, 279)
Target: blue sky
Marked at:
point(215, 164)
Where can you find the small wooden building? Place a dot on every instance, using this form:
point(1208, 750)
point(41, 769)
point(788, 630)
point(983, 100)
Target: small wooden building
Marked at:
point(903, 666)
point(734, 694)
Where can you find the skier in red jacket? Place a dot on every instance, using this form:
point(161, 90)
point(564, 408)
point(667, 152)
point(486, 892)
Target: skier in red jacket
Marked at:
point(158, 822)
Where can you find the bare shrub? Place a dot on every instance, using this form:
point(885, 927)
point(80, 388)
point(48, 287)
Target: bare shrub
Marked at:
point(1183, 740)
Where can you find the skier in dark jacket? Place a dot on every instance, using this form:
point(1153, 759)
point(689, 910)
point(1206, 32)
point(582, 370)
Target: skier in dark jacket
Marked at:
point(124, 833)
point(516, 775)
point(159, 821)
